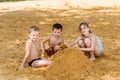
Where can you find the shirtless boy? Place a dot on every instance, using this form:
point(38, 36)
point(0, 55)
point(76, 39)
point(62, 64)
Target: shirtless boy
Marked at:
point(54, 40)
point(32, 56)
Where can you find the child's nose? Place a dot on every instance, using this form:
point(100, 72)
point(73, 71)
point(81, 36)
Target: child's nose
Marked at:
point(57, 33)
point(35, 36)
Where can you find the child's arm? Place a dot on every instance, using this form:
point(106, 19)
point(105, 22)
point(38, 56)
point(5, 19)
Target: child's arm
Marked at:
point(42, 44)
point(73, 42)
point(27, 55)
point(62, 44)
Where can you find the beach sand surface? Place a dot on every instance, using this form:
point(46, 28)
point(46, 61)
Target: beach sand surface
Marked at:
point(69, 63)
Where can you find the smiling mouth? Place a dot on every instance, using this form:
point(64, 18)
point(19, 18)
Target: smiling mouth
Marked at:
point(83, 32)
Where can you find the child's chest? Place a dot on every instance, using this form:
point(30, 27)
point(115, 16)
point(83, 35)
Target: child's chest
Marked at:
point(55, 41)
point(35, 46)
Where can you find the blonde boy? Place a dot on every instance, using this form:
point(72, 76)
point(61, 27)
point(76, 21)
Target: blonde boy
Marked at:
point(32, 56)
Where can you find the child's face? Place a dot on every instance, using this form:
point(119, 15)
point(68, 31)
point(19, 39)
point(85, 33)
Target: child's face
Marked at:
point(57, 32)
point(34, 35)
point(84, 30)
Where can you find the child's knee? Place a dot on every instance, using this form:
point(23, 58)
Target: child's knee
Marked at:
point(87, 42)
point(57, 47)
point(81, 43)
point(46, 62)
point(47, 47)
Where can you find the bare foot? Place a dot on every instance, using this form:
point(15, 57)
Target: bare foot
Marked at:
point(92, 58)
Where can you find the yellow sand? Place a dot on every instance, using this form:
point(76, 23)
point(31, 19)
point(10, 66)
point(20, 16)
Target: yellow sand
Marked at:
point(70, 63)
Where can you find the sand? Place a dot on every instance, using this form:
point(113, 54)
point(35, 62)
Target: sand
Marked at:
point(69, 63)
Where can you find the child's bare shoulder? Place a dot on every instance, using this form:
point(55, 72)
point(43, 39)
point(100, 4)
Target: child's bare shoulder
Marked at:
point(49, 36)
point(92, 35)
point(79, 38)
point(29, 42)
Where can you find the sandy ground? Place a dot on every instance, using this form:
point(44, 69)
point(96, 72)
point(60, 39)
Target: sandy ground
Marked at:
point(58, 4)
point(68, 64)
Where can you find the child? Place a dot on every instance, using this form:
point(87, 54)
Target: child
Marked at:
point(32, 55)
point(88, 42)
point(54, 40)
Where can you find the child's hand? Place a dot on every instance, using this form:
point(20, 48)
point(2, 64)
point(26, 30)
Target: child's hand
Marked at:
point(45, 55)
point(82, 49)
point(22, 67)
point(42, 55)
point(63, 46)
point(43, 52)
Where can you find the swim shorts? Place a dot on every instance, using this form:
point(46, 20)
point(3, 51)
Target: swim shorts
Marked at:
point(30, 63)
point(99, 44)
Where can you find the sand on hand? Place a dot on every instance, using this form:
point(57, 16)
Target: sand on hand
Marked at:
point(69, 63)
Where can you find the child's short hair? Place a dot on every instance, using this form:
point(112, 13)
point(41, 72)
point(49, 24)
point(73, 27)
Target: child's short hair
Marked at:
point(33, 28)
point(57, 26)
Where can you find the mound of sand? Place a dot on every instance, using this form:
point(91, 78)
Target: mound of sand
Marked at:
point(70, 63)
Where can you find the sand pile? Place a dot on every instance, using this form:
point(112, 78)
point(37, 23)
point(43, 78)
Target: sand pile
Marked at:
point(69, 63)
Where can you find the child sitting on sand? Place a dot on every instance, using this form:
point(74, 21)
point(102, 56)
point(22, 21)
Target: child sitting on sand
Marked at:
point(88, 42)
point(32, 56)
point(54, 40)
